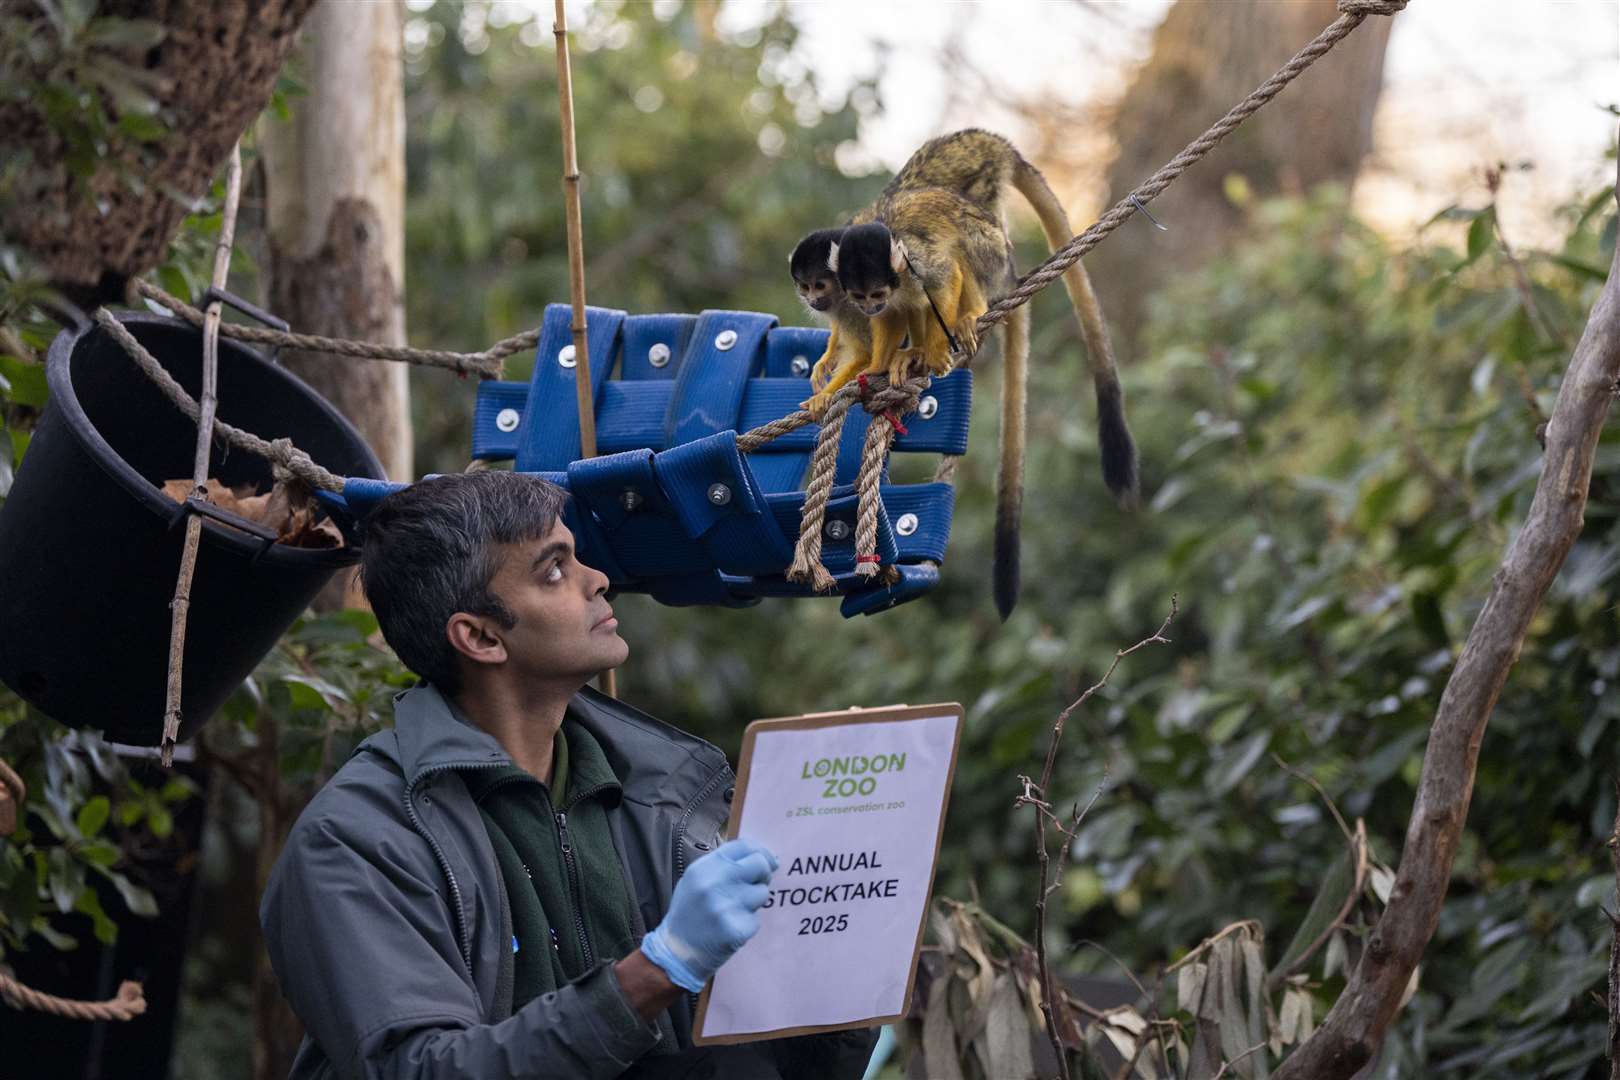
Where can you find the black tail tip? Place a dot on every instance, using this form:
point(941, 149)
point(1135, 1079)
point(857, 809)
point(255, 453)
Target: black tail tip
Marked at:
point(1119, 463)
point(1005, 572)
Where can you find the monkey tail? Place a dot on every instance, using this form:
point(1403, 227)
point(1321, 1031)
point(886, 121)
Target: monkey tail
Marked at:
point(1119, 462)
point(1005, 570)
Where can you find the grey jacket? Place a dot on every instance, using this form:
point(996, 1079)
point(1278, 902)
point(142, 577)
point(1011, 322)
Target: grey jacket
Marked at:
point(386, 918)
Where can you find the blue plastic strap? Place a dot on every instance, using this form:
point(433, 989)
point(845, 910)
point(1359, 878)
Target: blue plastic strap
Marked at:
point(946, 432)
point(725, 350)
point(490, 442)
point(915, 580)
point(637, 521)
point(549, 436)
point(630, 415)
point(719, 504)
point(786, 344)
point(838, 556)
point(643, 334)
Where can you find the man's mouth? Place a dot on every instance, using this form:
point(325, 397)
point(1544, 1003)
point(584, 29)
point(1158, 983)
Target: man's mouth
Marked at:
point(606, 622)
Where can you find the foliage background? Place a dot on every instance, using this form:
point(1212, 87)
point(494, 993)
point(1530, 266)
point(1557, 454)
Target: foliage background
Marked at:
point(1338, 437)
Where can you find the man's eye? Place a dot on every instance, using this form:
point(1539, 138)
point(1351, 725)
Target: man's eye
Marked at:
point(554, 573)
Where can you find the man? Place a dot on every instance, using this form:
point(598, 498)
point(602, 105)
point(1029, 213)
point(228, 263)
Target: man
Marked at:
point(523, 878)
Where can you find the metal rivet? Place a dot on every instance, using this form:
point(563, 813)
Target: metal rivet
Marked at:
point(630, 499)
point(800, 366)
point(658, 355)
point(907, 524)
point(719, 494)
point(837, 530)
point(725, 339)
point(566, 357)
point(927, 407)
point(507, 419)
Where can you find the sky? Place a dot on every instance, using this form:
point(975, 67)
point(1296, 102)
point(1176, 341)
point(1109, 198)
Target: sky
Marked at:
point(1467, 83)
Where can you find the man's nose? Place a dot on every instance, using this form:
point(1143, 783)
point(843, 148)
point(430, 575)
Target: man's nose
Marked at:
point(598, 581)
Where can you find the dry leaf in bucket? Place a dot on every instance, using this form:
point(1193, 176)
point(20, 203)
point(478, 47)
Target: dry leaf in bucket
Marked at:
point(288, 510)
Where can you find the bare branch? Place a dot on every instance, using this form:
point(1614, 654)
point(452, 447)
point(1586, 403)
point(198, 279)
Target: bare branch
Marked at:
point(1354, 1028)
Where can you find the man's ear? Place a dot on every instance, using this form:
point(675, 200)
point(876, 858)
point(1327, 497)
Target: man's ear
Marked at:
point(477, 637)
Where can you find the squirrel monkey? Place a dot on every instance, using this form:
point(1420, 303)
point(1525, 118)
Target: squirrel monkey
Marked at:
point(978, 167)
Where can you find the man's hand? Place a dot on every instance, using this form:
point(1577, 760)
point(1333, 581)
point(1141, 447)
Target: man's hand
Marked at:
point(712, 914)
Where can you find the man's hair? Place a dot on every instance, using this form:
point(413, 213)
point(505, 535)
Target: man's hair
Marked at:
point(428, 551)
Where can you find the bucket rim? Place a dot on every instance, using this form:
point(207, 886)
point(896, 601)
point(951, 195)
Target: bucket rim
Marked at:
point(59, 380)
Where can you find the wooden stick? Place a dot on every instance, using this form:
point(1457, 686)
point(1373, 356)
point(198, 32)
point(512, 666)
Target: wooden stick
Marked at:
point(576, 266)
point(207, 403)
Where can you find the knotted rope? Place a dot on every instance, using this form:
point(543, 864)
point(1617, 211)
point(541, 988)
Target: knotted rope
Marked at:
point(129, 1003)
point(284, 457)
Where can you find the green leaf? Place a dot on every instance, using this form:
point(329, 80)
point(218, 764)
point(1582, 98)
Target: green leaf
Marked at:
point(27, 381)
point(89, 903)
point(138, 899)
point(93, 816)
point(311, 692)
point(1480, 234)
point(142, 127)
point(160, 821)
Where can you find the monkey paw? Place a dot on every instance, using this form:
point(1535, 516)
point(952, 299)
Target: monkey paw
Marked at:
point(967, 334)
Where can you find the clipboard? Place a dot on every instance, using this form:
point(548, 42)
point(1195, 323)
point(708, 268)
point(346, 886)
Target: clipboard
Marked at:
point(824, 793)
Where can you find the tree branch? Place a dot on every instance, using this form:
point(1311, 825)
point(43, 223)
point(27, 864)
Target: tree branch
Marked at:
point(1353, 1030)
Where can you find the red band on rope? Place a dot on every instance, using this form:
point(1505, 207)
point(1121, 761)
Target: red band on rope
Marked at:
point(868, 558)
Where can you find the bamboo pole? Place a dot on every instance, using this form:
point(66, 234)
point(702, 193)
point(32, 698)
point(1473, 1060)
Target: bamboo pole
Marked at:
point(207, 402)
point(576, 263)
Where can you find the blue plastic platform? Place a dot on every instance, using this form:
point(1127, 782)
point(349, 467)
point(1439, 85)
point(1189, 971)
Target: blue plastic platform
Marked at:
point(671, 508)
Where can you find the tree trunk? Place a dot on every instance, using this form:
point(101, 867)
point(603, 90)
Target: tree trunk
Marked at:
point(335, 216)
point(1205, 58)
point(218, 63)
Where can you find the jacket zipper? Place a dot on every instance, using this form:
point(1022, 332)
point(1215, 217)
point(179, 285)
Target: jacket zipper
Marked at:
point(573, 889)
point(573, 871)
point(464, 936)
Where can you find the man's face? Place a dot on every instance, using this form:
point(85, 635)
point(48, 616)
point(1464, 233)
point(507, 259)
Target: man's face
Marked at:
point(565, 630)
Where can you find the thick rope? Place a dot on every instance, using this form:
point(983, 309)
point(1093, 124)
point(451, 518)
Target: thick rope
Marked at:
point(12, 793)
point(1352, 14)
point(879, 435)
point(486, 364)
point(806, 567)
point(129, 1003)
point(289, 461)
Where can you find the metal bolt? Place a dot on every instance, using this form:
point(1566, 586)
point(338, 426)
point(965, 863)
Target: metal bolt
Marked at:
point(507, 419)
point(566, 357)
point(725, 339)
point(719, 494)
point(906, 525)
point(837, 530)
point(927, 407)
point(658, 355)
point(800, 366)
point(630, 499)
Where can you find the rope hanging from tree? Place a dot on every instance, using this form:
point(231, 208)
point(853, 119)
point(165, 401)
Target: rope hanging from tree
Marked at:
point(875, 395)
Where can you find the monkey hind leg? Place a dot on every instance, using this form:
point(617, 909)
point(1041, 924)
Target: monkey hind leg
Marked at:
point(1005, 570)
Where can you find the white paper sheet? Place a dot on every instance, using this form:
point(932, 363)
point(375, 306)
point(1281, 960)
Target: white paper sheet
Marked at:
point(853, 813)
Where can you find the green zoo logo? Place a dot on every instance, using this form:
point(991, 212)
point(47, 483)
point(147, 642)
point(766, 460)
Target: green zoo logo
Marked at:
point(845, 777)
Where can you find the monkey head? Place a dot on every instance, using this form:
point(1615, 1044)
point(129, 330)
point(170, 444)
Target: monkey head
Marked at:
point(868, 260)
point(816, 281)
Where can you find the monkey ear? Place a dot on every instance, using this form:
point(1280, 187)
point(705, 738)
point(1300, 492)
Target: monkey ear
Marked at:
point(897, 255)
point(832, 256)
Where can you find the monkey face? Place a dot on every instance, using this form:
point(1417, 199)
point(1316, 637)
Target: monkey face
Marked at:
point(814, 278)
point(867, 260)
point(821, 292)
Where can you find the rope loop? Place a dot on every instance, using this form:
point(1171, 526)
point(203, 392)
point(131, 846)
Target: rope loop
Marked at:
point(1371, 7)
point(129, 1003)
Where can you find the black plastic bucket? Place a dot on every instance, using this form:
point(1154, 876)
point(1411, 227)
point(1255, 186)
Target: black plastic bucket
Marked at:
point(90, 547)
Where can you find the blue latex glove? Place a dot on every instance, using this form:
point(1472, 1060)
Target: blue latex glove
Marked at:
point(712, 914)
